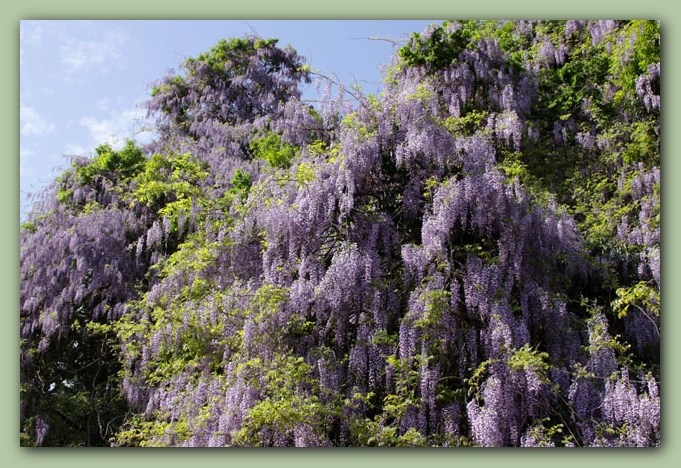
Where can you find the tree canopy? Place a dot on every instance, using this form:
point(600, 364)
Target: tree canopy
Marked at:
point(469, 258)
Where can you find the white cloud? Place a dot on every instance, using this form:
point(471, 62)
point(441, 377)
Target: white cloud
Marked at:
point(32, 123)
point(104, 104)
point(23, 159)
point(31, 32)
point(78, 55)
point(118, 127)
point(74, 149)
point(24, 154)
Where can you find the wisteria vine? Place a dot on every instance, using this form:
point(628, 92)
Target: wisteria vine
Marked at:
point(471, 257)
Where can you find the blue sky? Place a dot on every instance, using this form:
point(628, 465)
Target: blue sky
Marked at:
point(82, 83)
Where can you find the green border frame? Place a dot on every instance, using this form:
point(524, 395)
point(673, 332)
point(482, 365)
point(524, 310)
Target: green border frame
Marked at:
point(669, 13)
